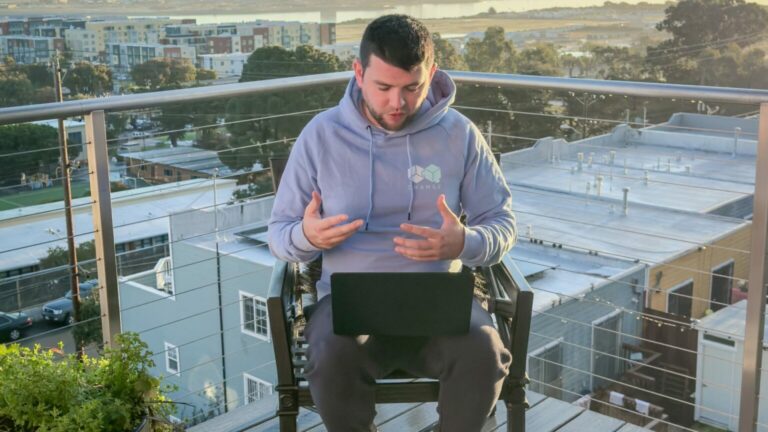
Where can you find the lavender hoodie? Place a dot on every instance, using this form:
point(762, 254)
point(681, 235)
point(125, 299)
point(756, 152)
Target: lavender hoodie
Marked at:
point(389, 178)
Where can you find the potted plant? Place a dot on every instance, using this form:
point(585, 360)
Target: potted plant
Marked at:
point(46, 390)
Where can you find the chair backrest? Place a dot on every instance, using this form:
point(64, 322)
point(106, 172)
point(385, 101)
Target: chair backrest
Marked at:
point(277, 166)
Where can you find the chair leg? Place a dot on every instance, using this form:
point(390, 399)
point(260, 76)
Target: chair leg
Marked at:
point(287, 423)
point(515, 417)
point(288, 408)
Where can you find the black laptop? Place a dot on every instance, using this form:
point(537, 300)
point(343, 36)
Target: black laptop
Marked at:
point(402, 304)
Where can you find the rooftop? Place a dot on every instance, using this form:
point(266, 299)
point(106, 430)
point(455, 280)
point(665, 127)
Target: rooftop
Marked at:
point(189, 158)
point(561, 275)
point(29, 232)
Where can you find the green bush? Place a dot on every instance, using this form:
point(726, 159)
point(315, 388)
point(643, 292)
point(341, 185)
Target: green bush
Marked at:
point(44, 390)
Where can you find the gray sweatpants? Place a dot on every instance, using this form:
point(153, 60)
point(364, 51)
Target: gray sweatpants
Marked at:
point(342, 370)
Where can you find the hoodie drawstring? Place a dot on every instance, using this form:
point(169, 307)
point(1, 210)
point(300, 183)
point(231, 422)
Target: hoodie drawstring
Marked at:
point(410, 167)
point(408, 173)
point(370, 190)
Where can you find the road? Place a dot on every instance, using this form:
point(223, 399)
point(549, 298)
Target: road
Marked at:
point(47, 335)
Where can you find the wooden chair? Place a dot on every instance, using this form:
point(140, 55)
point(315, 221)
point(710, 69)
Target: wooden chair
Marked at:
point(511, 304)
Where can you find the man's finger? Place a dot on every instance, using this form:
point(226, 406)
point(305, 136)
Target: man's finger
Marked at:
point(413, 244)
point(314, 204)
point(420, 230)
point(331, 221)
point(418, 255)
point(443, 208)
point(343, 230)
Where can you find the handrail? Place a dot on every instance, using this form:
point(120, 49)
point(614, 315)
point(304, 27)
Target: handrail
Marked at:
point(75, 108)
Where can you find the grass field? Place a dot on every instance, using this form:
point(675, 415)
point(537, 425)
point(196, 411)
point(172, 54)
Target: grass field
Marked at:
point(351, 32)
point(40, 196)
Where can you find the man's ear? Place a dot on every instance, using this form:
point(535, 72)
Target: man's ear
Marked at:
point(357, 66)
point(432, 71)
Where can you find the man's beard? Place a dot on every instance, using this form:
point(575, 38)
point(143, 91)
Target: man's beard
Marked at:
point(380, 118)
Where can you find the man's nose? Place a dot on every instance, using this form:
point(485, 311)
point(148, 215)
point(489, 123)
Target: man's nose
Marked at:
point(396, 99)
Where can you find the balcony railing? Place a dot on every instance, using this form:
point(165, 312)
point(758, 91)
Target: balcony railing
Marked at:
point(618, 228)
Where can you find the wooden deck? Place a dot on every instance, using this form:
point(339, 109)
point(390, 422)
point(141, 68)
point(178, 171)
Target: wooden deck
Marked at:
point(545, 415)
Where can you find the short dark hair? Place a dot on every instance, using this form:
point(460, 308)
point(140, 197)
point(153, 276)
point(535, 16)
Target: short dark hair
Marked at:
point(399, 40)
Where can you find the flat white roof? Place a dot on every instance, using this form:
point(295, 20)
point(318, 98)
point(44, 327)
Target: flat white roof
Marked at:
point(649, 234)
point(729, 322)
point(558, 276)
point(29, 232)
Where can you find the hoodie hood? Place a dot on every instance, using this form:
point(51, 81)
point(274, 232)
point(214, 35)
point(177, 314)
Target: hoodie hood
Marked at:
point(440, 96)
point(442, 92)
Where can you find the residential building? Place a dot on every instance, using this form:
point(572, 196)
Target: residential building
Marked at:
point(208, 327)
point(30, 49)
point(225, 65)
point(175, 164)
point(140, 218)
point(122, 57)
point(718, 375)
point(662, 168)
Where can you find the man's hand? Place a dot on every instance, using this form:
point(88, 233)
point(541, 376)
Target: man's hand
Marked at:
point(326, 233)
point(442, 244)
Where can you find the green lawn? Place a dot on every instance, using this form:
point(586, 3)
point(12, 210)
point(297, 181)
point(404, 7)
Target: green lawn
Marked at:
point(41, 196)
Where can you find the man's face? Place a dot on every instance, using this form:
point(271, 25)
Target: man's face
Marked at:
point(392, 96)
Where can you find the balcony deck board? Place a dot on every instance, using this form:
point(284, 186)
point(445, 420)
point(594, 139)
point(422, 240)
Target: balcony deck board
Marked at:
point(546, 414)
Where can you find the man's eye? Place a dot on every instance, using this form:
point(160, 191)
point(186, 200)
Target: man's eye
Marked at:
point(383, 88)
point(412, 89)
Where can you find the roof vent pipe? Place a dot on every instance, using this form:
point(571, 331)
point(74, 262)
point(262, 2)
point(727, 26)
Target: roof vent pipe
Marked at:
point(599, 186)
point(580, 158)
point(626, 201)
point(736, 135)
point(645, 178)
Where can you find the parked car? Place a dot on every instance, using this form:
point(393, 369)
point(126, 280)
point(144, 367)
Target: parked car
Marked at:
point(61, 310)
point(12, 325)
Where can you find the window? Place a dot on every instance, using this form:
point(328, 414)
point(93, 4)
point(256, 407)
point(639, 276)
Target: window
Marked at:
point(255, 389)
point(253, 315)
point(172, 358)
point(167, 172)
point(722, 283)
point(546, 370)
point(679, 300)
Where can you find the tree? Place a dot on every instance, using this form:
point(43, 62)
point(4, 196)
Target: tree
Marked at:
point(541, 59)
point(58, 256)
point(515, 112)
point(491, 54)
point(163, 74)
point(39, 75)
point(88, 79)
point(446, 56)
point(244, 148)
point(703, 33)
point(571, 62)
point(23, 140)
point(205, 75)
point(15, 89)
point(696, 23)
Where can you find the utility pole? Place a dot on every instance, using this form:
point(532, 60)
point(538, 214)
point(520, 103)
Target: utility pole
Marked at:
point(66, 181)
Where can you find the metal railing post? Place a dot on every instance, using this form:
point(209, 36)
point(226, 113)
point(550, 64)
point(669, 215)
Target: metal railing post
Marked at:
point(753, 336)
point(104, 234)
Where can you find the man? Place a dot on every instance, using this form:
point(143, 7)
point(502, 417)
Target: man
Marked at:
point(376, 184)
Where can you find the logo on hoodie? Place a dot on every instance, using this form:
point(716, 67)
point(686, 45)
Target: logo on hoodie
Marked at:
point(418, 174)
